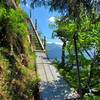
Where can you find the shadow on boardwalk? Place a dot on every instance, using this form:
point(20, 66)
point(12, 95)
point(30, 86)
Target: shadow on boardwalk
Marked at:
point(52, 85)
point(56, 90)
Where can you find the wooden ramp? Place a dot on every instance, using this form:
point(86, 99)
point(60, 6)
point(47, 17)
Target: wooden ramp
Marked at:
point(52, 85)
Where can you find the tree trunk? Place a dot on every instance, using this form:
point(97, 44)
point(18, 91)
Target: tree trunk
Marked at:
point(63, 54)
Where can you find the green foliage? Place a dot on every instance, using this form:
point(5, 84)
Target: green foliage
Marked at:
point(88, 47)
point(12, 28)
point(66, 7)
point(62, 29)
point(92, 97)
point(18, 82)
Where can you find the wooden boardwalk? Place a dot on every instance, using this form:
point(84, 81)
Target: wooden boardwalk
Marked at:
point(52, 85)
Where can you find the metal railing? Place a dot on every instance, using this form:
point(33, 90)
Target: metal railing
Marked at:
point(42, 44)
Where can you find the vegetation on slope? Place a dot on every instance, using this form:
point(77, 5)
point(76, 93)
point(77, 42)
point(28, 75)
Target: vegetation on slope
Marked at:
point(18, 78)
point(88, 47)
point(80, 27)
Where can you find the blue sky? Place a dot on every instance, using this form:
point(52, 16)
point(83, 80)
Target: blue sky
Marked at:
point(43, 16)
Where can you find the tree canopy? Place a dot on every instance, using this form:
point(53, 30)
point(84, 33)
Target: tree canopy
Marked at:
point(81, 19)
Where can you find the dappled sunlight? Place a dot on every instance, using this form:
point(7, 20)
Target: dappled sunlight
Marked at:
point(56, 90)
point(52, 85)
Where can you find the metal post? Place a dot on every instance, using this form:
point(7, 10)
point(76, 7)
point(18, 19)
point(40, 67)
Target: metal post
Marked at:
point(44, 42)
point(30, 13)
point(36, 24)
point(75, 37)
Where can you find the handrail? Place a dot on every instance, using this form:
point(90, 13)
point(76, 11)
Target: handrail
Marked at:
point(36, 33)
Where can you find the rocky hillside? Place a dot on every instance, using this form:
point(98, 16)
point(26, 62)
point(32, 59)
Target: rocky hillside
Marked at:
point(18, 79)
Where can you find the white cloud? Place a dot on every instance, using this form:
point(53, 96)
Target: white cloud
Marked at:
point(58, 43)
point(52, 19)
point(49, 42)
point(27, 5)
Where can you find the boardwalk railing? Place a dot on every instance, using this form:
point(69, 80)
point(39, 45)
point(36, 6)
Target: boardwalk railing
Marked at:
point(37, 35)
point(42, 44)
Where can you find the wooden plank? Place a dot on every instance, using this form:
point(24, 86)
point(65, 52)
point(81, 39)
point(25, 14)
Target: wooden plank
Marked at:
point(52, 85)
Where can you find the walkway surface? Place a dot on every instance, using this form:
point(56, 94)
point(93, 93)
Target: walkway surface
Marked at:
point(52, 85)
